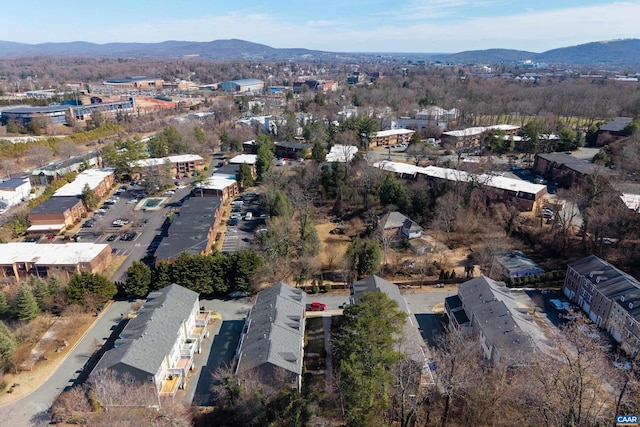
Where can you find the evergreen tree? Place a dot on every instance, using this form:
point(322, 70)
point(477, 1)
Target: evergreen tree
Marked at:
point(87, 283)
point(54, 285)
point(318, 152)
point(365, 349)
point(26, 305)
point(138, 279)
point(7, 345)
point(40, 291)
point(162, 275)
point(4, 304)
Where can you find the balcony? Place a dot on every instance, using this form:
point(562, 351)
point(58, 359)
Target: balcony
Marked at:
point(174, 380)
point(203, 319)
point(188, 349)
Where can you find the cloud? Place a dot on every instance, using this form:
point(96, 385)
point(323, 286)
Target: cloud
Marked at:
point(535, 30)
point(435, 9)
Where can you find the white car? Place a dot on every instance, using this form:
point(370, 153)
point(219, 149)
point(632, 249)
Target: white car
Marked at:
point(180, 187)
point(169, 193)
point(132, 201)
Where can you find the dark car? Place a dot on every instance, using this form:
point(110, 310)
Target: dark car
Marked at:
point(112, 238)
point(233, 221)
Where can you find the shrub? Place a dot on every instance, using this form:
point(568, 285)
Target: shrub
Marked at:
point(315, 288)
point(327, 287)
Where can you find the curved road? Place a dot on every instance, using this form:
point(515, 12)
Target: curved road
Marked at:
point(33, 410)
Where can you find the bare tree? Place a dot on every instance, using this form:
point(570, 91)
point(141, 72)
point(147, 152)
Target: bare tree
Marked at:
point(39, 154)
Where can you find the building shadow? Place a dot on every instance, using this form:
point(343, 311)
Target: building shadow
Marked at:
point(431, 325)
point(222, 351)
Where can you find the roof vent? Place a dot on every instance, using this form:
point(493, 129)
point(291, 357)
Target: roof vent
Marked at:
point(630, 306)
point(622, 298)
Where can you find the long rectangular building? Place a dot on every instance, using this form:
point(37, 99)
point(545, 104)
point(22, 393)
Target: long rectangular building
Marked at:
point(20, 260)
point(158, 345)
point(609, 296)
point(525, 195)
point(272, 342)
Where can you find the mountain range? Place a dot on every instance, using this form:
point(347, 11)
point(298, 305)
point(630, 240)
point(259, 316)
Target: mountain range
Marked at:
point(612, 53)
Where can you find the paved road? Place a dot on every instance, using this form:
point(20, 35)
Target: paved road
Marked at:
point(33, 409)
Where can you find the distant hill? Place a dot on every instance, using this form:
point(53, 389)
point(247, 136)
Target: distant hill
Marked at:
point(613, 53)
point(217, 49)
point(604, 53)
point(488, 56)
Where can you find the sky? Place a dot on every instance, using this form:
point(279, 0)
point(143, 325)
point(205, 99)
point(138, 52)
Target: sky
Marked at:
point(330, 25)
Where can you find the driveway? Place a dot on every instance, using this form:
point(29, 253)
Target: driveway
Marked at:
point(219, 349)
point(33, 410)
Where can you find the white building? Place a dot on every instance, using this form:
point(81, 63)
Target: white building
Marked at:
point(13, 191)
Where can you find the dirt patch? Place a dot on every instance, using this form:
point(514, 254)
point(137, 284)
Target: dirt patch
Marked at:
point(25, 382)
point(333, 247)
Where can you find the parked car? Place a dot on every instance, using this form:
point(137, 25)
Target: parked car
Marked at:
point(112, 238)
point(169, 193)
point(249, 216)
point(316, 306)
point(233, 221)
point(238, 294)
point(127, 237)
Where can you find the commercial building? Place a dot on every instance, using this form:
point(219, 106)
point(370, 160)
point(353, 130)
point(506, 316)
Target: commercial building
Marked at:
point(432, 117)
point(157, 346)
point(54, 171)
point(391, 137)
point(55, 214)
point(566, 169)
point(613, 130)
point(524, 195)
point(221, 184)
point(14, 191)
point(58, 114)
point(292, 149)
point(489, 310)
point(100, 181)
point(135, 83)
point(178, 165)
point(272, 342)
point(315, 86)
point(193, 229)
point(609, 296)
point(471, 136)
point(242, 85)
point(20, 260)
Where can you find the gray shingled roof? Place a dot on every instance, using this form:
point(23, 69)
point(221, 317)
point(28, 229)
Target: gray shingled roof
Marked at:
point(148, 338)
point(617, 124)
point(190, 229)
point(56, 205)
point(275, 330)
point(611, 282)
point(506, 327)
point(571, 162)
point(393, 220)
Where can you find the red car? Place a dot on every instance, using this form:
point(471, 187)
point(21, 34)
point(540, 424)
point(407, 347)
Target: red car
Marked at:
point(316, 306)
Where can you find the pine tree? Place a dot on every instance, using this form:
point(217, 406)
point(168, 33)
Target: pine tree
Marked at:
point(26, 305)
point(4, 304)
point(40, 291)
point(7, 345)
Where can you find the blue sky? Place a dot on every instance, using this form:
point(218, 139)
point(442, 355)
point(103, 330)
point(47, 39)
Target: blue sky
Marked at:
point(332, 25)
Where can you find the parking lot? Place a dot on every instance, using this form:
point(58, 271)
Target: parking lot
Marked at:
point(126, 226)
point(245, 219)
